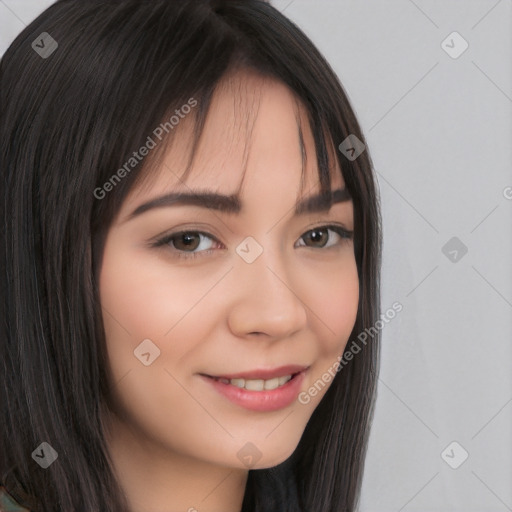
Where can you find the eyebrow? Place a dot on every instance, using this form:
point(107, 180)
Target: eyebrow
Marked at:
point(231, 203)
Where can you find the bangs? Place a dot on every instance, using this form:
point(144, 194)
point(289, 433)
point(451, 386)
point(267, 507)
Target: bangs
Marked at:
point(191, 129)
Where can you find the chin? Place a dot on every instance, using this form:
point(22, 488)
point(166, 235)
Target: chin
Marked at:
point(270, 459)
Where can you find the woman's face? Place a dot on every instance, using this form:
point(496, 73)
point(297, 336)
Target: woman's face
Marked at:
point(252, 289)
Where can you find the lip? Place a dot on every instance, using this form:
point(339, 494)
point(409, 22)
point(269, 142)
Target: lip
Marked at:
point(261, 401)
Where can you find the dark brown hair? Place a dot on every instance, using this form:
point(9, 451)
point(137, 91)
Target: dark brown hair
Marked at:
point(68, 121)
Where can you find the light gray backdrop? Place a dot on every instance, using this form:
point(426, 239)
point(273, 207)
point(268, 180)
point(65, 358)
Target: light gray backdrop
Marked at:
point(438, 121)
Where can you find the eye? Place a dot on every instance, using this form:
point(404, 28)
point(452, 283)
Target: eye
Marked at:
point(192, 244)
point(321, 237)
point(188, 243)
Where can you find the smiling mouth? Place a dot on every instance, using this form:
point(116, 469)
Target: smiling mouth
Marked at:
point(263, 390)
point(261, 380)
point(257, 384)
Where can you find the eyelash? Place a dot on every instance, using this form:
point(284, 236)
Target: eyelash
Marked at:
point(345, 235)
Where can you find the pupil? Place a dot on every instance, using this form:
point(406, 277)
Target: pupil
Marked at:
point(187, 241)
point(317, 235)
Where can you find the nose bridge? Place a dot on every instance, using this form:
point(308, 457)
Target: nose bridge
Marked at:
point(266, 300)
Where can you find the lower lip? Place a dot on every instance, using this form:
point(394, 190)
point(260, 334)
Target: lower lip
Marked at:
point(261, 401)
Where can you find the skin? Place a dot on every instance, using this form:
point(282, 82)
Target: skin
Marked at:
point(174, 439)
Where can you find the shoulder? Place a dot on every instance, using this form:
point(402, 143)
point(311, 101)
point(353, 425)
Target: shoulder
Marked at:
point(8, 504)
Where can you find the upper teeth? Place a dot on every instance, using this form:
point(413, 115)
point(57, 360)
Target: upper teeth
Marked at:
point(258, 384)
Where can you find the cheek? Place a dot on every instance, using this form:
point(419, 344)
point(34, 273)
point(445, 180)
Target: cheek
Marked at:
point(142, 301)
point(335, 300)
point(143, 298)
point(334, 305)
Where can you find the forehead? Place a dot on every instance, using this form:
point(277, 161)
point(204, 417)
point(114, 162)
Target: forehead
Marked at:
point(256, 129)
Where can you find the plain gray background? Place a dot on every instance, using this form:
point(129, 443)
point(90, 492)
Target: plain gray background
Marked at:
point(439, 130)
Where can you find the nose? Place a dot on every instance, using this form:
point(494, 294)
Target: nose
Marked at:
point(266, 302)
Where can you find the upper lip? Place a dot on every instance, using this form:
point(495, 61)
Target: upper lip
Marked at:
point(264, 374)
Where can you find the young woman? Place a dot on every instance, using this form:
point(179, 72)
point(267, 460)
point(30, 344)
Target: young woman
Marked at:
point(191, 245)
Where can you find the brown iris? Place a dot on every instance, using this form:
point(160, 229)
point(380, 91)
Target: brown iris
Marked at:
point(317, 235)
point(186, 241)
